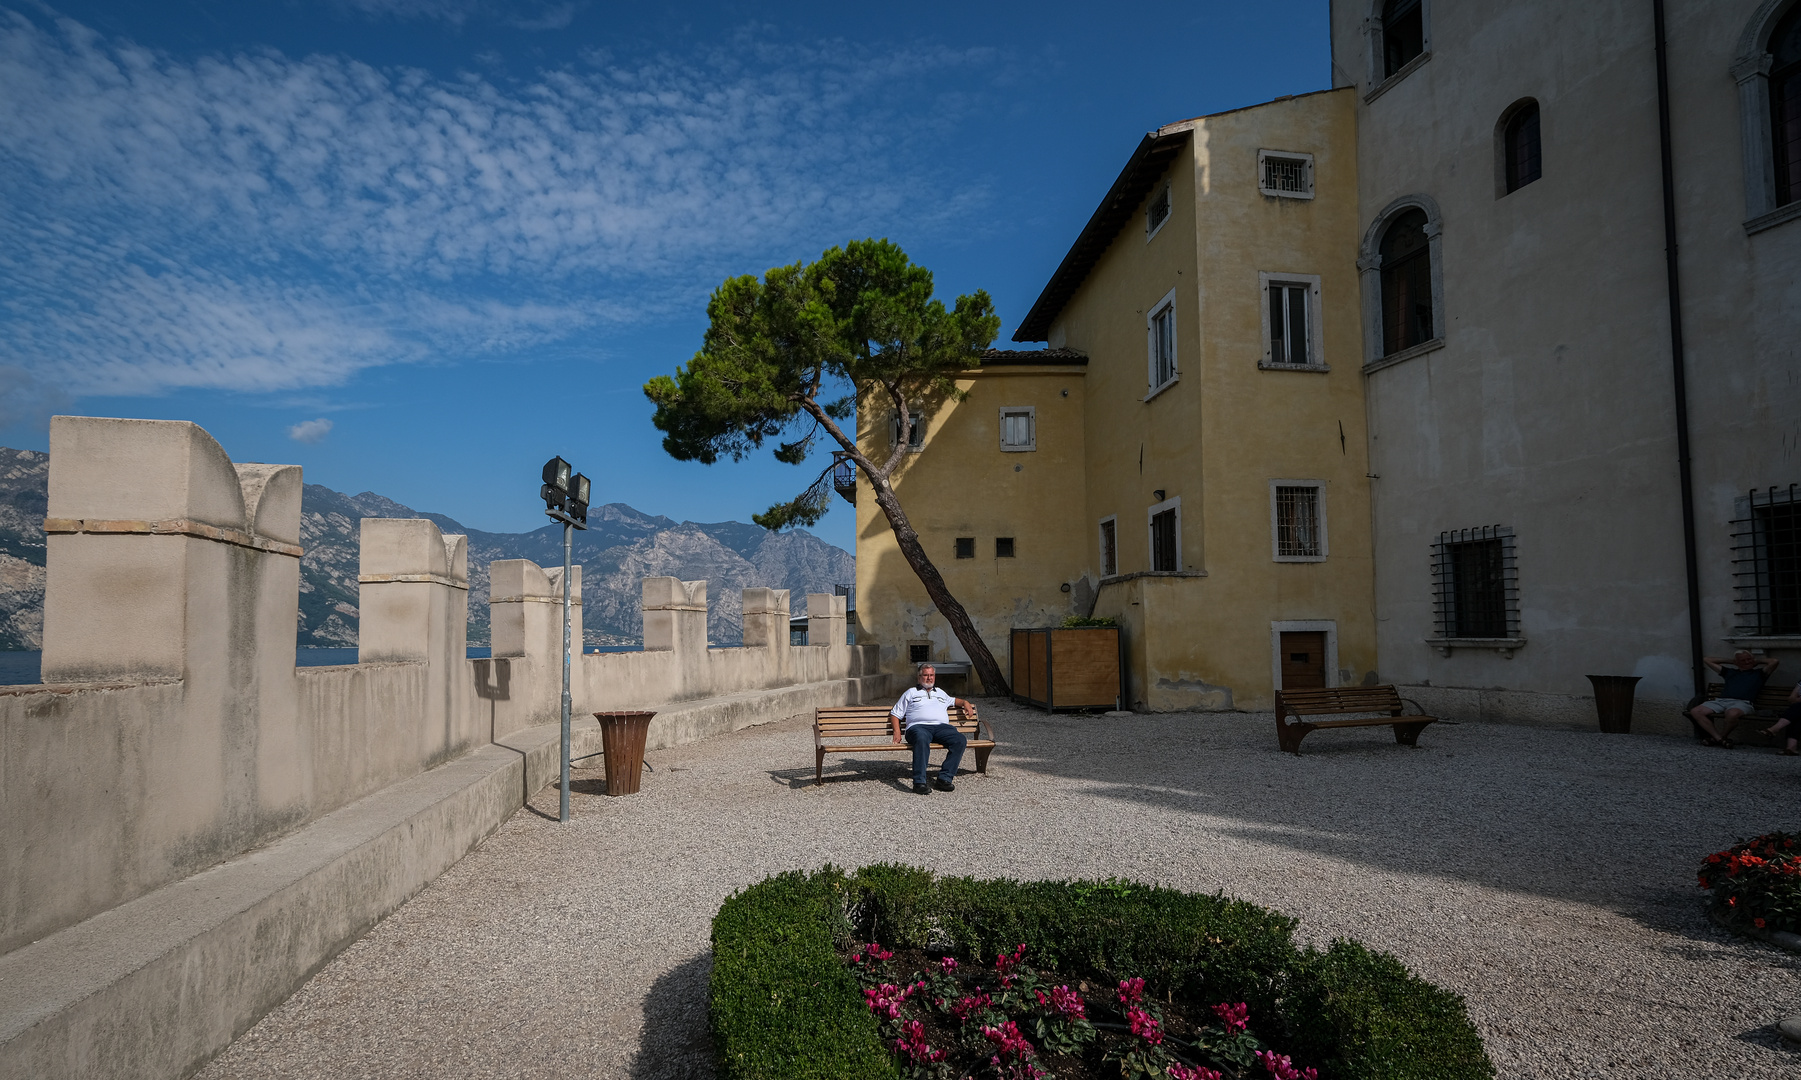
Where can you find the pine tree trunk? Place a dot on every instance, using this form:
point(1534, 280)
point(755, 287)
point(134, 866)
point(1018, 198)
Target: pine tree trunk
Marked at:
point(980, 658)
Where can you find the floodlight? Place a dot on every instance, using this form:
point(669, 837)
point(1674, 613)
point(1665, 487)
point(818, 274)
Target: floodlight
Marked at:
point(578, 489)
point(556, 474)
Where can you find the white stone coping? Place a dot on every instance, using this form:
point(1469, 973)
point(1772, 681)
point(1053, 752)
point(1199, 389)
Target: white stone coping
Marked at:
point(434, 579)
point(1504, 646)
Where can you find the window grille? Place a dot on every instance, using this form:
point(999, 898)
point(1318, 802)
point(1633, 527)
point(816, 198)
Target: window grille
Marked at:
point(1766, 561)
point(966, 547)
point(1163, 541)
point(1298, 532)
point(918, 654)
point(1158, 211)
point(1003, 547)
point(1018, 430)
point(1285, 174)
point(1109, 548)
point(1163, 345)
point(1288, 324)
point(1475, 583)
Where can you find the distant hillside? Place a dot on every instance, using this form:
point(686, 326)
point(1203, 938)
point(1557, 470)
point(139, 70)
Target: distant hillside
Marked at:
point(621, 547)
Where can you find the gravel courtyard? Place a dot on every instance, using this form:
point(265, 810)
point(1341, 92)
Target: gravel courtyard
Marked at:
point(1548, 876)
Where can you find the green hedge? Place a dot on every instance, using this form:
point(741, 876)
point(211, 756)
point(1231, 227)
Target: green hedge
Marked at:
point(785, 1005)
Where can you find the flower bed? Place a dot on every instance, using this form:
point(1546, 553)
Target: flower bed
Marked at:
point(1756, 883)
point(1092, 978)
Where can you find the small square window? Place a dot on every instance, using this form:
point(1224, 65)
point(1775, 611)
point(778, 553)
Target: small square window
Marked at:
point(1284, 175)
point(1019, 429)
point(966, 547)
point(1156, 212)
point(1003, 547)
point(918, 654)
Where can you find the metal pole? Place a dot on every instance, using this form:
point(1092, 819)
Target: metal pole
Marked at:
point(568, 535)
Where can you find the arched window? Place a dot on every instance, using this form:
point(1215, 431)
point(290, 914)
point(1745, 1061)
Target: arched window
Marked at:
point(1785, 106)
point(1403, 34)
point(1406, 283)
point(1519, 147)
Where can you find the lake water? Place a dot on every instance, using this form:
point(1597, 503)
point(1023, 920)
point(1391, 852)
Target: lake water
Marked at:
point(19, 667)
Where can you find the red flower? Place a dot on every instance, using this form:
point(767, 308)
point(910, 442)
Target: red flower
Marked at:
point(1759, 923)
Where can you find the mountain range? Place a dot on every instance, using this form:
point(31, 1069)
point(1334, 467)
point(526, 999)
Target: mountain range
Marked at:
point(620, 548)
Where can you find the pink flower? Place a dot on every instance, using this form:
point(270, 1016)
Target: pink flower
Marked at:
point(1009, 1041)
point(1131, 991)
point(948, 964)
point(871, 953)
point(1065, 1001)
point(1145, 1025)
point(913, 1044)
point(1280, 1068)
point(888, 998)
point(1232, 1016)
point(1179, 1071)
point(969, 1006)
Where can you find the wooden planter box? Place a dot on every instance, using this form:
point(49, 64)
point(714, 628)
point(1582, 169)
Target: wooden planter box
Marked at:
point(1077, 668)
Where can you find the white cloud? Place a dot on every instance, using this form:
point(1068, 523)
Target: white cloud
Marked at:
point(524, 14)
point(310, 431)
point(258, 222)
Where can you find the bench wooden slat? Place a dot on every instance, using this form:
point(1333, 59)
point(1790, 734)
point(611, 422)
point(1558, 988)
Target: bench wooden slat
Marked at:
point(1338, 700)
point(1771, 699)
point(864, 721)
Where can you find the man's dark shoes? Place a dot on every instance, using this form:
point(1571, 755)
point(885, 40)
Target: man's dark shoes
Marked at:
point(944, 785)
point(921, 789)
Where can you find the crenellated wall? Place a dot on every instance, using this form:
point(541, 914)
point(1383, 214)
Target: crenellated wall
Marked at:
point(174, 732)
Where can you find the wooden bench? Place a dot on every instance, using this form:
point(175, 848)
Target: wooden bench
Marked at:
point(1337, 700)
point(1771, 700)
point(873, 730)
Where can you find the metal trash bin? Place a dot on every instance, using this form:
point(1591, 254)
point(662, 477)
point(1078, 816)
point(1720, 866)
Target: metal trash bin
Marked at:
point(622, 735)
point(1613, 702)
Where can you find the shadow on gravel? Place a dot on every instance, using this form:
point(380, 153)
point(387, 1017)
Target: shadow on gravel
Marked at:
point(1618, 822)
point(675, 1044)
point(882, 771)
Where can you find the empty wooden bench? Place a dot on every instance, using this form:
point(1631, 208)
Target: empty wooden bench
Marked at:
point(1338, 700)
point(870, 729)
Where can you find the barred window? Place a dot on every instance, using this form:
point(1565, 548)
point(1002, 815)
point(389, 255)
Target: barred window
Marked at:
point(1475, 583)
point(1285, 175)
point(1164, 554)
point(1157, 212)
point(1300, 532)
point(1766, 561)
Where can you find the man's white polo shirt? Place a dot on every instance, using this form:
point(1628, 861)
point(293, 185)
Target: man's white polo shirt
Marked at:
point(918, 706)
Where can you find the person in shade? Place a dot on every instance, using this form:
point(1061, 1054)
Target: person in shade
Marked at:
point(1791, 716)
point(1743, 678)
point(926, 712)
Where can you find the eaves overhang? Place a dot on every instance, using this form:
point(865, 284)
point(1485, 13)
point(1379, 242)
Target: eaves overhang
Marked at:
point(1146, 165)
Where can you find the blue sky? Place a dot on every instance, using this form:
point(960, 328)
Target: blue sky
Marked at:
point(419, 246)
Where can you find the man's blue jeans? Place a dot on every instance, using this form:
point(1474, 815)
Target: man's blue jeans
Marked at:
point(922, 736)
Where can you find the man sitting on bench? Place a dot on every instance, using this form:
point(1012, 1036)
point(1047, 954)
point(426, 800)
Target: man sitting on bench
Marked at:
point(926, 710)
point(1743, 682)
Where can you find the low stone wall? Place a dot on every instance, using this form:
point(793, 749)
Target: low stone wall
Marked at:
point(174, 741)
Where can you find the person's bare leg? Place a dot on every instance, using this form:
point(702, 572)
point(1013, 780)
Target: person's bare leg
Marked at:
point(1729, 722)
point(1703, 719)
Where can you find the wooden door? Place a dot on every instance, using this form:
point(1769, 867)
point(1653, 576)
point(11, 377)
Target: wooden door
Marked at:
point(1303, 660)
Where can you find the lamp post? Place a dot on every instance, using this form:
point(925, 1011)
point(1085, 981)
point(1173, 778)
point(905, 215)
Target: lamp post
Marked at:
point(565, 500)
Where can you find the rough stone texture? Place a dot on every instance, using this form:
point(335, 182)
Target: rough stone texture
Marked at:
point(1547, 875)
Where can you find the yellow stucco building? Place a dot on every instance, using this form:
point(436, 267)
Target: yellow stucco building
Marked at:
point(1188, 456)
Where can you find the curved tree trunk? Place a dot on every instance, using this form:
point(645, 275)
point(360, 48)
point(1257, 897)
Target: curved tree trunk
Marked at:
point(979, 657)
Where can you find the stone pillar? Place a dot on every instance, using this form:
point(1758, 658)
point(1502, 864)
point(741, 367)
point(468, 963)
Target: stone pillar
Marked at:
point(413, 592)
point(167, 561)
point(525, 609)
point(826, 620)
point(766, 618)
point(675, 615)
